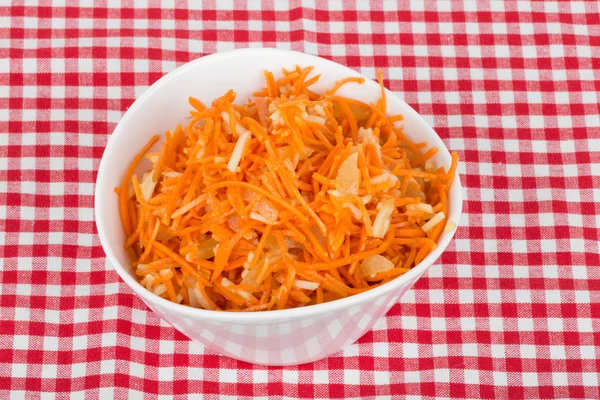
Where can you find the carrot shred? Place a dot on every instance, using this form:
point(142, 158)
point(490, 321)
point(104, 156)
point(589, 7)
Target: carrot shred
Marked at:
point(123, 209)
point(197, 104)
point(382, 100)
point(269, 189)
point(418, 161)
point(349, 117)
point(342, 82)
point(225, 250)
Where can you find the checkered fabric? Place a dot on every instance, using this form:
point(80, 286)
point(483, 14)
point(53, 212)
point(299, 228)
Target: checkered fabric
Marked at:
point(512, 308)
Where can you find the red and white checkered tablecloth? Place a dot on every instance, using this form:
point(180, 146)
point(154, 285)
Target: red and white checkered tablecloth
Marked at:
point(512, 308)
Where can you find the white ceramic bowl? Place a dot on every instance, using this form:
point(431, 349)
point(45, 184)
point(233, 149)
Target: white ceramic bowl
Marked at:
point(281, 337)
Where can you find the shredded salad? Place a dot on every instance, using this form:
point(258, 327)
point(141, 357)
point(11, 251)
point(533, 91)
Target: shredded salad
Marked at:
point(293, 199)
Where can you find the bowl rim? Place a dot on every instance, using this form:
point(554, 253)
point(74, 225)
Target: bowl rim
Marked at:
point(272, 315)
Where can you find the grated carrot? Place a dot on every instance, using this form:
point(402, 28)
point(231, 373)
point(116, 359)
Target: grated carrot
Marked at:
point(418, 161)
point(382, 99)
point(197, 104)
point(349, 117)
point(342, 82)
point(287, 227)
point(123, 200)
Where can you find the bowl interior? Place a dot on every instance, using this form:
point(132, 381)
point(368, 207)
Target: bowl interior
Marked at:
point(165, 104)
